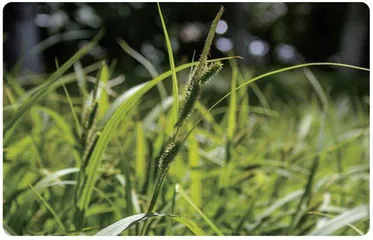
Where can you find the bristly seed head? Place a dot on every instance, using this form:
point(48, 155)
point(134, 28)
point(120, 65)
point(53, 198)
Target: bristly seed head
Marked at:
point(191, 97)
point(168, 156)
point(210, 71)
point(193, 90)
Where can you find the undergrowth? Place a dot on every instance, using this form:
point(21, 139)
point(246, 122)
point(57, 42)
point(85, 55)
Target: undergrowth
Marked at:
point(135, 165)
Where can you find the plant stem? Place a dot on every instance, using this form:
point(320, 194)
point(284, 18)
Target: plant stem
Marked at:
point(156, 192)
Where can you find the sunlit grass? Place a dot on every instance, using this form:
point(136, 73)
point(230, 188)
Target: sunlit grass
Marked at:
point(87, 164)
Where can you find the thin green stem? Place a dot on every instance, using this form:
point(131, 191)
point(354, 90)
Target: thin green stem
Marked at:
point(153, 201)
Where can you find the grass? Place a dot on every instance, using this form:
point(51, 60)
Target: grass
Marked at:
point(97, 165)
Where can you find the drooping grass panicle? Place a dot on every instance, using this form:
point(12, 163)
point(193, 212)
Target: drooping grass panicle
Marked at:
point(168, 156)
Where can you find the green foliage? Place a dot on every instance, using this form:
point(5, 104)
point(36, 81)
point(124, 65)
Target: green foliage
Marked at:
point(291, 166)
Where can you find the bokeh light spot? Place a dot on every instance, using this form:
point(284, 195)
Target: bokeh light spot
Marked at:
point(224, 44)
point(222, 27)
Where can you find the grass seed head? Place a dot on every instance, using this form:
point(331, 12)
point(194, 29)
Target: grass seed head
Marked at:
point(210, 71)
point(168, 156)
point(191, 97)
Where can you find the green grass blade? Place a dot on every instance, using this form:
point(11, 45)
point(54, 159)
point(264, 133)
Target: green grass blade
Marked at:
point(231, 128)
point(146, 63)
point(140, 153)
point(44, 88)
point(190, 224)
point(118, 227)
point(140, 58)
point(68, 78)
point(81, 78)
point(46, 204)
point(332, 216)
point(184, 195)
point(16, 86)
point(260, 95)
point(244, 108)
point(316, 85)
point(232, 102)
point(195, 172)
point(349, 217)
point(60, 122)
point(209, 118)
point(8, 230)
point(175, 88)
point(76, 121)
point(150, 68)
point(130, 92)
point(103, 99)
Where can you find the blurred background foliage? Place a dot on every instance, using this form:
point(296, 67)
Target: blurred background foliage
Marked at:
point(267, 35)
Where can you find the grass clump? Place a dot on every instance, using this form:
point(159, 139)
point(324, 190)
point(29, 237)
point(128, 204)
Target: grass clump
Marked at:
point(297, 165)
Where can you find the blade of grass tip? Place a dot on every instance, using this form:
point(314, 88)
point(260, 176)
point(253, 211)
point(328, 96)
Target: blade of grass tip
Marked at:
point(270, 74)
point(103, 99)
point(184, 195)
point(77, 124)
point(80, 76)
point(46, 204)
point(96, 87)
point(175, 89)
point(39, 94)
point(112, 67)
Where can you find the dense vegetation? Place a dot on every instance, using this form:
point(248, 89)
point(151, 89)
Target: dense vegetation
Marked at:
point(293, 164)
